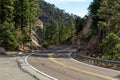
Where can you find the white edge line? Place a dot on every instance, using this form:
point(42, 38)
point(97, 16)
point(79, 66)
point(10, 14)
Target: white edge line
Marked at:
point(89, 64)
point(38, 70)
point(83, 62)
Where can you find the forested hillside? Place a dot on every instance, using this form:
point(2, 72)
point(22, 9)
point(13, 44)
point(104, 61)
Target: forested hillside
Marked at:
point(98, 32)
point(16, 19)
point(104, 40)
point(59, 26)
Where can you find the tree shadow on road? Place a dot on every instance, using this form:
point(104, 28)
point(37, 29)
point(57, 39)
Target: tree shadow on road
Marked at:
point(63, 54)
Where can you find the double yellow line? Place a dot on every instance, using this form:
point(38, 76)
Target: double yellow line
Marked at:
point(79, 70)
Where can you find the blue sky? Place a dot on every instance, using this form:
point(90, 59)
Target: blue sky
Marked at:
point(77, 7)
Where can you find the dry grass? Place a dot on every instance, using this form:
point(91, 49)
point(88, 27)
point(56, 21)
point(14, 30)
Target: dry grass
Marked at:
point(11, 52)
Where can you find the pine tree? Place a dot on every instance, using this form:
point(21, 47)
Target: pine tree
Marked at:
point(52, 33)
point(15, 19)
point(78, 24)
point(110, 47)
point(55, 30)
point(7, 30)
point(22, 20)
point(34, 10)
point(25, 20)
point(7, 36)
point(109, 24)
point(93, 11)
point(94, 6)
point(109, 14)
point(0, 11)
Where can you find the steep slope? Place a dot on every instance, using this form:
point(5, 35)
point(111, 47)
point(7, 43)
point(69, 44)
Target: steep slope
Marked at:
point(50, 12)
point(87, 38)
point(59, 26)
point(87, 27)
point(36, 36)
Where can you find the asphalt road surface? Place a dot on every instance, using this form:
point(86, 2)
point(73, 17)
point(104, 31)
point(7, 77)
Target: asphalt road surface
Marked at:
point(57, 63)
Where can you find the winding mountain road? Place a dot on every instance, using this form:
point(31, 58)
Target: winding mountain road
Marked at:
point(57, 63)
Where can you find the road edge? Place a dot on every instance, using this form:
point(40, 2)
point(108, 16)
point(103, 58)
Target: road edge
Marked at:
point(88, 64)
point(42, 73)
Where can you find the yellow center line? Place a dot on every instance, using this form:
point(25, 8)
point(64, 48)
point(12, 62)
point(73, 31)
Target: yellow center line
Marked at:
point(79, 70)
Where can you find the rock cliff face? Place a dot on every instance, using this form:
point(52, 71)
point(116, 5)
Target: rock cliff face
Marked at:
point(37, 34)
point(87, 27)
point(36, 37)
point(84, 33)
point(87, 38)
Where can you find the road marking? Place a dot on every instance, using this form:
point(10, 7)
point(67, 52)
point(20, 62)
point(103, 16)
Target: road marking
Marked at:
point(79, 70)
point(50, 77)
point(87, 64)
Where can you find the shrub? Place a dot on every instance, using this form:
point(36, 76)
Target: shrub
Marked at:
point(111, 46)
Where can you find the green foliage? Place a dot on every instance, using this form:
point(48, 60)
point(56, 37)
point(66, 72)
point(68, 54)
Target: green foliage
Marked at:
point(87, 38)
point(25, 38)
point(109, 14)
point(94, 6)
point(67, 31)
point(7, 36)
point(7, 29)
point(15, 21)
point(6, 10)
point(52, 33)
point(93, 10)
point(34, 9)
point(78, 24)
point(117, 52)
point(106, 23)
point(111, 47)
point(59, 25)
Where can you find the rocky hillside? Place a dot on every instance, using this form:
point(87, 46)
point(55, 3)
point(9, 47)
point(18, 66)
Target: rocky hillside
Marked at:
point(36, 37)
point(87, 38)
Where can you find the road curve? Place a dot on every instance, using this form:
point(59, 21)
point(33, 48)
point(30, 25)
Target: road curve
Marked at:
point(57, 63)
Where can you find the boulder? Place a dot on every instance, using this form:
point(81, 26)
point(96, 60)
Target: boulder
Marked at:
point(2, 50)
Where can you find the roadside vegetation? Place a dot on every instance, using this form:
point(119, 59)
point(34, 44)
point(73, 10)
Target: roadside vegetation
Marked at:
point(106, 18)
point(59, 26)
point(98, 32)
point(16, 17)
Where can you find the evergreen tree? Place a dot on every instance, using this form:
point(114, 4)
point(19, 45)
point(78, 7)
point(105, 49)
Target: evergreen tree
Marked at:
point(78, 24)
point(7, 30)
point(25, 15)
point(22, 20)
point(55, 30)
point(7, 36)
point(34, 5)
point(94, 6)
point(110, 47)
point(63, 21)
point(15, 20)
point(0, 11)
point(25, 20)
point(93, 11)
point(34, 8)
point(109, 14)
point(52, 33)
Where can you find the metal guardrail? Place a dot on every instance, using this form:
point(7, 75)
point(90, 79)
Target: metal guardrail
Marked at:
point(96, 61)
